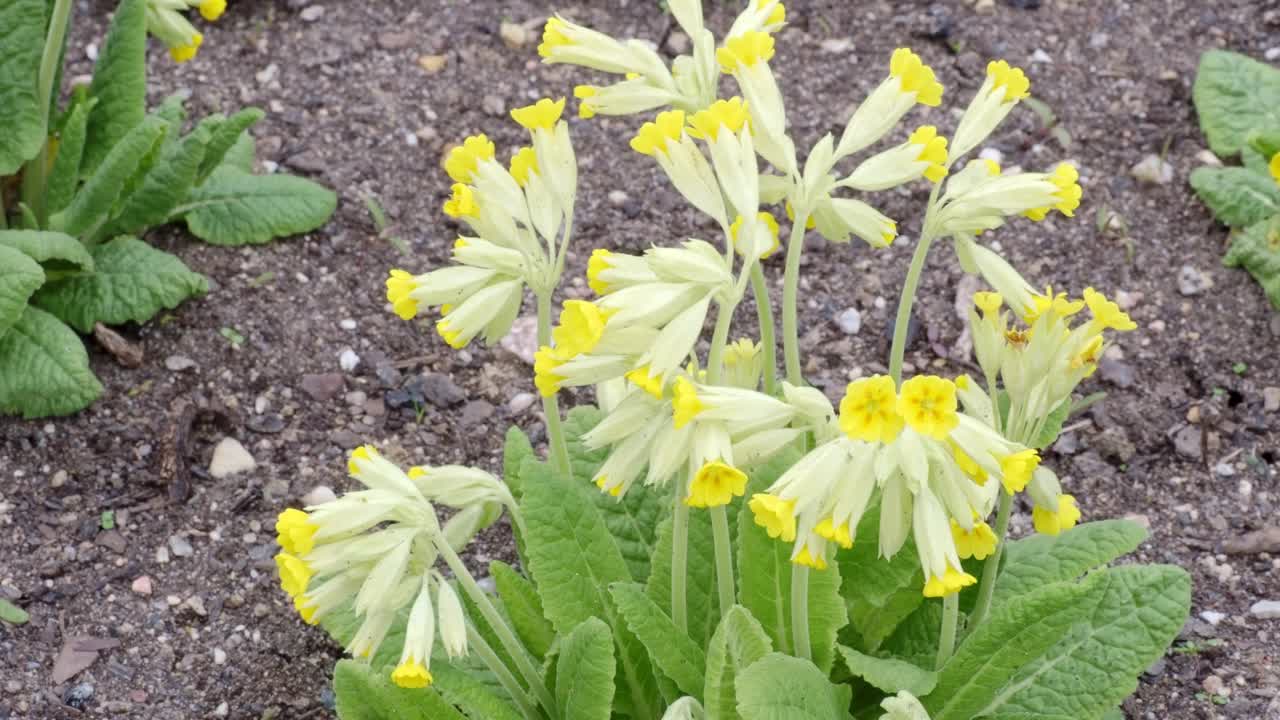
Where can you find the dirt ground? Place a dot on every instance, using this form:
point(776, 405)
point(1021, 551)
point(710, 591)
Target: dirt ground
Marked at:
point(1182, 442)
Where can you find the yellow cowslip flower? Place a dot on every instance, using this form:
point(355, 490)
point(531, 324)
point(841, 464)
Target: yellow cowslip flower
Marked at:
point(838, 534)
point(462, 203)
point(716, 483)
point(775, 515)
point(523, 164)
point(365, 453)
point(399, 284)
point(294, 574)
point(685, 404)
point(1016, 469)
point(914, 76)
point(770, 221)
point(450, 334)
point(306, 610)
point(581, 327)
point(1106, 314)
point(295, 532)
point(977, 543)
point(928, 404)
point(1012, 80)
point(641, 378)
point(598, 263)
point(815, 560)
point(809, 224)
point(1052, 522)
point(545, 362)
point(1061, 305)
point(211, 10)
point(552, 36)
point(184, 53)
point(988, 302)
point(746, 49)
point(652, 137)
point(731, 114)
point(1068, 193)
point(462, 161)
point(602, 482)
point(777, 15)
point(1275, 166)
point(1088, 356)
point(952, 581)
point(869, 410)
point(585, 92)
point(967, 465)
point(542, 115)
point(411, 674)
point(933, 150)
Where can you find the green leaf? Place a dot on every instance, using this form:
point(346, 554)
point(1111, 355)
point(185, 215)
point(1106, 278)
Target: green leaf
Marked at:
point(1053, 425)
point(119, 85)
point(96, 201)
point(584, 672)
point(44, 369)
point(20, 276)
point(672, 652)
point(227, 132)
point(701, 598)
point(1237, 196)
point(241, 155)
point(48, 248)
point(520, 600)
point(1254, 160)
point(515, 451)
point(764, 585)
point(1039, 560)
point(738, 642)
point(131, 282)
point(781, 687)
point(22, 32)
point(889, 674)
point(9, 612)
point(880, 593)
point(364, 693)
point(1264, 142)
point(916, 638)
point(471, 694)
point(236, 208)
point(1257, 249)
point(1233, 95)
point(165, 186)
point(65, 176)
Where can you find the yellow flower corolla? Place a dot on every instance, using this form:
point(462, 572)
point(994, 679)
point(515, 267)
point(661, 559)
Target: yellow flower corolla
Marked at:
point(545, 362)
point(812, 222)
point(775, 515)
point(968, 465)
point(184, 53)
point(552, 36)
point(411, 674)
point(953, 581)
point(542, 115)
point(399, 284)
point(993, 167)
point(1061, 305)
point(305, 609)
point(462, 203)
point(770, 221)
point(1013, 80)
point(869, 410)
point(462, 160)
point(685, 404)
point(640, 377)
point(977, 543)
point(294, 574)
point(817, 561)
point(1049, 522)
point(1275, 166)
point(747, 49)
point(364, 452)
point(988, 302)
point(523, 164)
point(602, 482)
point(652, 137)
point(1106, 314)
point(915, 77)
point(451, 335)
point(1016, 469)
point(715, 484)
point(598, 263)
point(777, 15)
point(838, 534)
point(933, 150)
point(1068, 193)
point(928, 404)
point(585, 92)
point(1088, 356)
point(211, 10)
point(730, 114)
point(295, 532)
point(581, 327)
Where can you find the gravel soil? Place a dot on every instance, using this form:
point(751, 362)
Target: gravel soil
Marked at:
point(366, 96)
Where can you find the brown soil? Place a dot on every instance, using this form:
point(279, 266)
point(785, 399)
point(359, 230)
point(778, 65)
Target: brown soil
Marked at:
point(350, 105)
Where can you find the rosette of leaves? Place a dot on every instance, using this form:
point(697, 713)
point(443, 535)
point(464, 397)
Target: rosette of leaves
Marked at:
point(81, 182)
point(1238, 100)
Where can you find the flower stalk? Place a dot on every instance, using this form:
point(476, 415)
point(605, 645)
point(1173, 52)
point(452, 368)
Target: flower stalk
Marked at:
point(559, 449)
point(790, 289)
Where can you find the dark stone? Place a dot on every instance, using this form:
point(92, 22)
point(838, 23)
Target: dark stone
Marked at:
point(268, 424)
point(1116, 372)
point(345, 439)
point(440, 390)
point(78, 696)
point(476, 411)
point(322, 387)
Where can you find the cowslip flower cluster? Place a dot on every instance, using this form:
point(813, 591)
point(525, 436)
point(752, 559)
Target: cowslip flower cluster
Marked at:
point(166, 21)
point(1274, 167)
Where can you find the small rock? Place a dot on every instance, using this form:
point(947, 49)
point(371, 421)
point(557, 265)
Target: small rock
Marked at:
point(179, 363)
point(836, 46)
point(267, 74)
point(348, 360)
point(195, 606)
point(229, 458)
point(387, 375)
point(1265, 609)
point(1206, 157)
point(1213, 617)
point(322, 387)
point(1214, 685)
point(180, 546)
point(440, 390)
point(222, 710)
point(1040, 56)
point(1192, 281)
point(493, 105)
point(1116, 372)
point(79, 696)
point(1067, 444)
point(1187, 442)
point(522, 340)
point(345, 439)
point(433, 64)
point(678, 43)
point(1224, 469)
point(1113, 444)
point(312, 13)
point(141, 585)
point(113, 541)
point(269, 424)
point(347, 324)
point(356, 398)
point(60, 478)
point(1271, 399)
point(1128, 300)
point(219, 656)
point(276, 490)
point(319, 495)
point(520, 402)
point(476, 412)
point(850, 321)
point(991, 153)
point(618, 198)
point(1259, 541)
point(1272, 54)
point(515, 36)
point(1139, 519)
point(1153, 169)
point(395, 40)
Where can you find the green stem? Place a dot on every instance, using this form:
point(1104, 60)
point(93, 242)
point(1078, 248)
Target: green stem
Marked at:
point(991, 568)
point(550, 404)
point(908, 298)
point(715, 358)
point(35, 175)
point(505, 635)
point(724, 559)
point(790, 287)
point(800, 611)
point(950, 618)
point(680, 558)
point(476, 642)
point(764, 312)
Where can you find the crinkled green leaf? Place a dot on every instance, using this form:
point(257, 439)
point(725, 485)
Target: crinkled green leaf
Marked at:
point(20, 276)
point(241, 155)
point(738, 642)
point(515, 451)
point(22, 32)
point(781, 687)
point(164, 187)
point(889, 674)
point(916, 638)
point(1255, 161)
point(64, 179)
point(673, 653)
point(1257, 249)
point(236, 208)
point(226, 133)
point(119, 85)
point(701, 598)
point(364, 693)
point(1039, 560)
point(1235, 94)
point(54, 250)
point(472, 692)
point(44, 369)
point(520, 600)
point(585, 671)
point(131, 282)
point(95, 202)
point(880, 593)
point(1237, 196)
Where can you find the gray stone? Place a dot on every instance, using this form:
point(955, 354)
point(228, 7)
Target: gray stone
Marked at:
point(269, 424)
point(1187, 442)
point(387, 374)
point(319, 495)
point(229, 458)
point(322, 387)
point(312, 13)
point(1114, 445)
point(1116, 372)
point(850, 321)
point(345, 439)
point(178, 363)
point(1153, 169)
point(1213, 617)
point(1271, 399)
point(180, 546)
point(1192, 281)
point(275, 490)
point(476, 411)
point(1265, 609)
point(493, 105)
point(520, 402)
point(440, 390)
point(348, 360)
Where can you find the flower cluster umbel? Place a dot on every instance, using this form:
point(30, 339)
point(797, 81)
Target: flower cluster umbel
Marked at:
point(166, 21)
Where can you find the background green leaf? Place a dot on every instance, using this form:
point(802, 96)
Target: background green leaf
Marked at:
point(44, 369)
point(515, 450)
point(473, 690)
point(236, 208)
point(889, 674)
point(738, 642)
point(781, 687)
point(701, 598)
point(1038, 560)
point(22, 32)
point(119, 84)
point(520, 600)
point(585, 671)
point(671, 651)
point(880, 593)
point(96, 201)
point(1257, 249)
point(364, 693)
point(1237, 196)
point(1235, 94)
point(65, 177)
point(20, 276)
point(165, 186)
point(225, 134)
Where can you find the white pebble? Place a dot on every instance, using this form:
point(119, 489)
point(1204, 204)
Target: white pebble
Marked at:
point(520, 402)
point(319, 495)
point(1266, 609)
point(990, 153)
point(348, 360)
point(1212, 617)
point(1040, 56)
point(850, 321)
point(312, 13)
point(347, 324)
point(219, 656)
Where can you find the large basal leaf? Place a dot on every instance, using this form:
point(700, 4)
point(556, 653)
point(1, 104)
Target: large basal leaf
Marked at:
point(738, 642)
point(165, 186)
point(520, 600)
point(48, 248)
point(225, 134)
point(915, 640)
point(44, 369)
point(701, 595)
point(1038, 560)
point(20, 276)
point(131, 282)
point(22, 31)
point(781, 687)
point(880, 593)
point(584, 672)
point(363, 693)
point(1257, 249)
point(64, 179)
point(1237, 196)
point(236, 208)
point(515, 450)
point(672, 652)
point(95, 202)
point(1235, 94)
point(242, 154)
point(119, 84)
point(889, 674)
point(470, 693)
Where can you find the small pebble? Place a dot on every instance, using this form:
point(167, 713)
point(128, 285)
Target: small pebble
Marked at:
point(319, 495)
point(850, 321)
point(59, 479)
point(347, 324)
point(1192, 281)
point(520, 402)
point(312, 13)
point(1212, 617)
point(230, 458)
point(1266, 609)
point(179, 363)
point(618, 198)
point(515, 36)
point(180, 546)
point(141, 585)
point(348, 360)
point(1153, 169)
point(219, 656)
